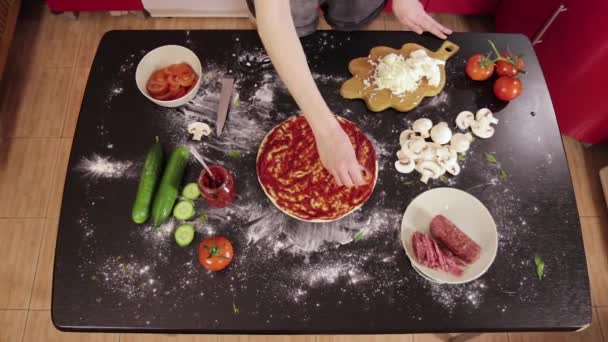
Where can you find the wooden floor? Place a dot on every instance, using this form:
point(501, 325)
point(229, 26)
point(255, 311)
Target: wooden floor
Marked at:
point(40, 99)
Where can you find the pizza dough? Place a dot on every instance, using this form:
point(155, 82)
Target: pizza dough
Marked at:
point(292, 176)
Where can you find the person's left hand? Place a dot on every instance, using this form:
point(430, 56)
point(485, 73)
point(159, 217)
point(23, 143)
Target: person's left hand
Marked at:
point(411, 14)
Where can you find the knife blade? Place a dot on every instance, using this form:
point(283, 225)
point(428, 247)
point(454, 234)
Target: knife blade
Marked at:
point(222, 109)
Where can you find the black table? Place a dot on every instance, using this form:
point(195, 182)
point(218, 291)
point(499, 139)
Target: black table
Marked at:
point(292, 277)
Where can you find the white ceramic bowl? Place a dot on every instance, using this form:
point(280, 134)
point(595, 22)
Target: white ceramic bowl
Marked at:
point(468, 213)
point(162, 57)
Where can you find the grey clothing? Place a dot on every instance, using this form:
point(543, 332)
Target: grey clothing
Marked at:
point(344, 15)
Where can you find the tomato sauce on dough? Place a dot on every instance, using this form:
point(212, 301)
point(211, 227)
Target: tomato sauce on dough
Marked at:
point(291, 172)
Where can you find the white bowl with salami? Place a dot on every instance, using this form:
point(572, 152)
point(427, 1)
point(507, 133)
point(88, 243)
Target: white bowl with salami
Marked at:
point(449, 236)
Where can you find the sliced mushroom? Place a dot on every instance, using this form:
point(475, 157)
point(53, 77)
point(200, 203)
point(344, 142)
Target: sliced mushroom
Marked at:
point(406, 135)
point(409, 153)
point(461, 142)
point(482, 129)
point(465, 119)
point(405, 167)
point(198, 130)
point(401, 156)
point(446, 156)
point(414, 145)
point(423, 126)
point(453, 169)
point(441, 133)
point(485, 114)
point(428, 169)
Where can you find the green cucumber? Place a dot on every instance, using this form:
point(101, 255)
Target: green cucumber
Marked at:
point(183, 210)
point(184, 235)
point(148, 180)
point(191, 191)
point(167, 190)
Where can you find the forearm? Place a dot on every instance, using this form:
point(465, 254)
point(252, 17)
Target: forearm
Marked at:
point(278, 33)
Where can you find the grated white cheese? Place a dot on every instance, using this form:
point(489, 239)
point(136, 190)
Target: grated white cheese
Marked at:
point(400, 75)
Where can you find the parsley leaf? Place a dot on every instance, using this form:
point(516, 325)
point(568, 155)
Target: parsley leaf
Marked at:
point(443, 178)
point(490, 158)
point(504, 175)
point(360, 235)
point(540, 267)
point(235, 309)
point(462, 157)
point(204, 217)
point(234, 154)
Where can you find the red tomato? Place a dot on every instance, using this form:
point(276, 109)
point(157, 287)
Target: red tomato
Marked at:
point(215, 253)
point(479, 68)
point(163, 97)
point(507, 88)
point(157, 87)
point(171, 82)
point(186, 80)
point(177, 93)
point(180, 69)
point(504, 68)
point(158, 75)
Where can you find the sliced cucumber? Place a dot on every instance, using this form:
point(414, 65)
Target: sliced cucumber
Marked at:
point(184, 210)
point(191, 191)
point(184, 234)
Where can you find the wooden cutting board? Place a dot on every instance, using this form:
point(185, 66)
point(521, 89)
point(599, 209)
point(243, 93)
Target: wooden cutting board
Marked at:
point(378, 100)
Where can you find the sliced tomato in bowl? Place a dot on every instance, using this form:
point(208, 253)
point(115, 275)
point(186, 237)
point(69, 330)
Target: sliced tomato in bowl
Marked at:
point(157, 87)
point(186, 80)
point(172, 82)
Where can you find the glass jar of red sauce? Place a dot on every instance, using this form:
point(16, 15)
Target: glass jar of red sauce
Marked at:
point(218, 190)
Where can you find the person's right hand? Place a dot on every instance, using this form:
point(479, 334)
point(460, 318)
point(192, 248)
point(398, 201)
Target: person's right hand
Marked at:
point(338, 155)
point(411, 13)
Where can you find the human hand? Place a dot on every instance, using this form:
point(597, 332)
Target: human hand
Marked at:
point(338, 156)
point(411, 14)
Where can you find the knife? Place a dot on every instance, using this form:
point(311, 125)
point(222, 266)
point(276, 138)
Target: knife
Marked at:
point(222, 110)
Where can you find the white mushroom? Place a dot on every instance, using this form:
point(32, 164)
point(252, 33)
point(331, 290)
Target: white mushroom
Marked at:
point(406, 135)
point(441, 133)
point(461, 142)
point(465, 119)
point(453, 169)
point(413, 148)
point(405, 167)
point(485, 114)
point(429, 169)
point(401, 155)
point(446, 156)
point(198, 130)
point(482, 129)
point(430, 151)
point(423, 126)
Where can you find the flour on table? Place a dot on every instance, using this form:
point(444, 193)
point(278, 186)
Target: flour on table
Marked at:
point(450, 296)
point(98, 166)
point(133, 279)
point(325, 78)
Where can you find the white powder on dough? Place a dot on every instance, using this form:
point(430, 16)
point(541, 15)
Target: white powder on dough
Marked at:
point(98, 166)
point(401, 75)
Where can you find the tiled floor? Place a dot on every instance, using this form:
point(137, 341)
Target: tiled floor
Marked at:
point(40, 99)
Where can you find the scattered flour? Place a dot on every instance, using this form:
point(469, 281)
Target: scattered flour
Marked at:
point(98, 166)
point(132, 279)
point(450, 296)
